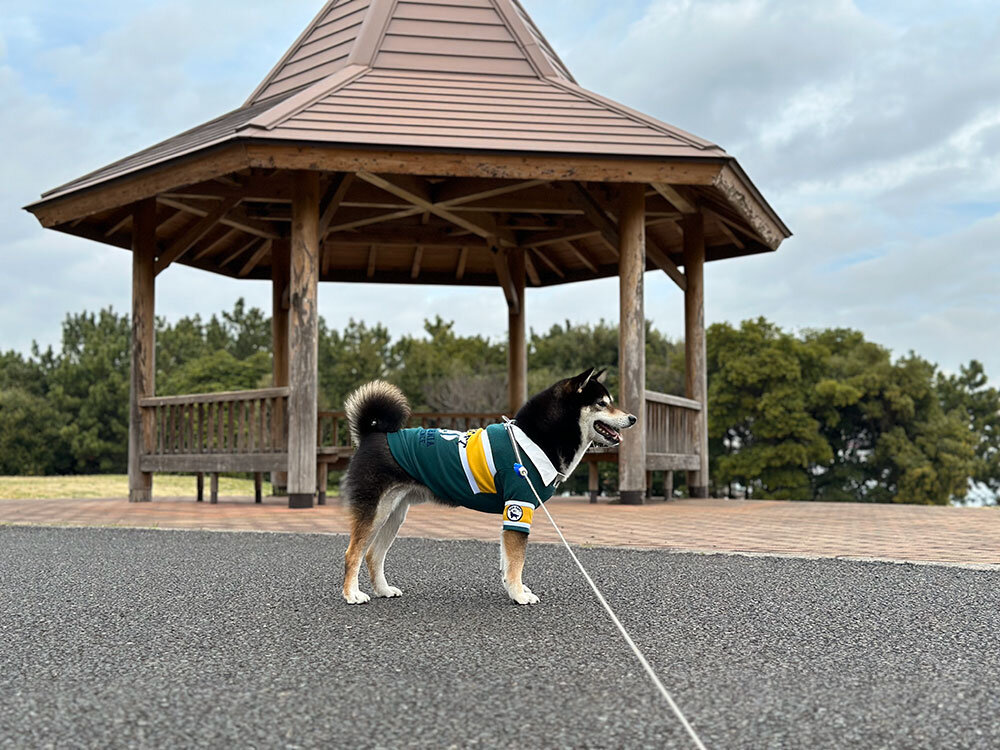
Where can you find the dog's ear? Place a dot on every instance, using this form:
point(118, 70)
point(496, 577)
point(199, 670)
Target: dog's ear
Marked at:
point(600, 375)
point(580, 381)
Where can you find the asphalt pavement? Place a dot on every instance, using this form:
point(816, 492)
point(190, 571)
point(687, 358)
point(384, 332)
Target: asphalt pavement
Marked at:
point(130, 638)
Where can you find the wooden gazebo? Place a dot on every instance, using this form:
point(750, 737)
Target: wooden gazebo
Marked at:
point(403, 142)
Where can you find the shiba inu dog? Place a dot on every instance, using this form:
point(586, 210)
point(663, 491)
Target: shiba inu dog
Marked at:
point(394, 468)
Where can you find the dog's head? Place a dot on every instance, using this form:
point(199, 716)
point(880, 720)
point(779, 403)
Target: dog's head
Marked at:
point(600, 421)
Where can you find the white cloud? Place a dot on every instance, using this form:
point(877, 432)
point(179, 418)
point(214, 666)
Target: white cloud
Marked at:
point(872, 127)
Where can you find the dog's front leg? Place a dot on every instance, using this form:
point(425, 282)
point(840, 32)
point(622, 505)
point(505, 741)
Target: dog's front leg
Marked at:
point(513, 545)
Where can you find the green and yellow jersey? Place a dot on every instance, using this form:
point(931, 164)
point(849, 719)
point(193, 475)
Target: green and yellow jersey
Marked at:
point(475, 469)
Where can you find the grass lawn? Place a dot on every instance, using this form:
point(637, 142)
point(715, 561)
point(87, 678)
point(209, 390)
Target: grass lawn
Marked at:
point(115, 485)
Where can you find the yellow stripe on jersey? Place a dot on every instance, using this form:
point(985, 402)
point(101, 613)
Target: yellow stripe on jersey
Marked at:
point(478, 462)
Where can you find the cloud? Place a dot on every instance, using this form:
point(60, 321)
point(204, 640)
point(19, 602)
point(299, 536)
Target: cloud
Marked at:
point(872, 127)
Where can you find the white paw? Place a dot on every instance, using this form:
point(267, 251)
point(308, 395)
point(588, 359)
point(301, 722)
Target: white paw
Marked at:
point(356, 597)
point(524, 596)
point(388, 592)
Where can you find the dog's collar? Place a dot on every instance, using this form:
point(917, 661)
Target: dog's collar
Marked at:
point(537, 456)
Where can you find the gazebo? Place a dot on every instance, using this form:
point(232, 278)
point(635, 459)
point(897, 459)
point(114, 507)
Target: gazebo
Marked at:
point(415, 142)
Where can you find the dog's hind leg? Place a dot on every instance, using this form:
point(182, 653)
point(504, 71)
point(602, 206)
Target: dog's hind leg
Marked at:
point(361, 531)
point(381, 541)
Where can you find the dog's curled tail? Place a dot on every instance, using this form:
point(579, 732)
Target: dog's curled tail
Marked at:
point(377, 406)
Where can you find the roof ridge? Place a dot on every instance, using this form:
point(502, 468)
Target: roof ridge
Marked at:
point(633, 114)
point(292, 105)
point(527, 42)
point(252, 99)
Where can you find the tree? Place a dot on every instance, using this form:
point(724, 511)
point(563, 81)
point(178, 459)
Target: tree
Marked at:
point(968, 396)
point(761, 422)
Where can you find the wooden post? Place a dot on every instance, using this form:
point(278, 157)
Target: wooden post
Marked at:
point(140, 428)
point(322, 479)
point(303, 341)
point(668, 485)
point(632, 342)
point(593, 480)
point(517, 342)
point(200, 481)
point(693, 226)
point(281, 273)
point(213, 492)
point(258, 487)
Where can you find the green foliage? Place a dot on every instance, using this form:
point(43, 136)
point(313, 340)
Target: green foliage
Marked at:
point(821, 415)
point(29, 433)
point(829, 416)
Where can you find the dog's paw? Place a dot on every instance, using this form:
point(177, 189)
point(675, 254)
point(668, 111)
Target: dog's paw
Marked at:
point(524, 596)
point(356, 597)
point(388, 592)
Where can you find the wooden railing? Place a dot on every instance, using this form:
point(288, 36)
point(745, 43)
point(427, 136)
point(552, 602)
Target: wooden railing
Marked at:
point(333, 432)
point(235, 431)
point(672, 425)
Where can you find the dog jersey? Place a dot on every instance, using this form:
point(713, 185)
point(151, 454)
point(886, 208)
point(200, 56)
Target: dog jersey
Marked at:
point(476, 469)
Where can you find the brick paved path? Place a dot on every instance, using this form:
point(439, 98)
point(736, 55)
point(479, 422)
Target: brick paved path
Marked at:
point(967, 536)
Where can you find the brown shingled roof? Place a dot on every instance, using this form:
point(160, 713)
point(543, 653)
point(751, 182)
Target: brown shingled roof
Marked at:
point(452, 74)
point(442, 129)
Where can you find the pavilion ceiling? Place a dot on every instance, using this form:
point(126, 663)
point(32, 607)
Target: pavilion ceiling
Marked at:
point(409, 229)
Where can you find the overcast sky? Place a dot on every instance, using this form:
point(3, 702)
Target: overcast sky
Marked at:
point(872, 127)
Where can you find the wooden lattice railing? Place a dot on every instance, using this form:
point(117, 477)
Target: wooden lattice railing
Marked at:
point(333, 431)
point(235, 431)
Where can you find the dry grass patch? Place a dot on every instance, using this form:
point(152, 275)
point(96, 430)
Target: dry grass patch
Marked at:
point(115, 485)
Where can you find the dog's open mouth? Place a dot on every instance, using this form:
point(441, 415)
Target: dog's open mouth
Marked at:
point(608, 432)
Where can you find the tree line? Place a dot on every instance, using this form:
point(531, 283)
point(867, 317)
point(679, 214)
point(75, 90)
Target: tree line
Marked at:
point(817, 415)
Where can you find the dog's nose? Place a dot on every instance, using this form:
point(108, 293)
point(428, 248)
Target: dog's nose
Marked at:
point(631, 420)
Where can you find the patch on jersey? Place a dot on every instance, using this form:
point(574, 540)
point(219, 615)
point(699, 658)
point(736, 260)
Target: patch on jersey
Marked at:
point(517, 516)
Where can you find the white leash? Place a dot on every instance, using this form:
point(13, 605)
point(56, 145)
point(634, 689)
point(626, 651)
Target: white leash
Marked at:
point(607, 607)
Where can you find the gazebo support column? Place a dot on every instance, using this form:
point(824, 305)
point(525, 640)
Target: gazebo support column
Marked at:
point(517, 342)
point(281, 271)
point(632, 342)
point(140, 428)
point(303, 339)
point(694, 343)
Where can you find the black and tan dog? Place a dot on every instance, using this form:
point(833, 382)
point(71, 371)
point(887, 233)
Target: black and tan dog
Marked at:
point(394, 468)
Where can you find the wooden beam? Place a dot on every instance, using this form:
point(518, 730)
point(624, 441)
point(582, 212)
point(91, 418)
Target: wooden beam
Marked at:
point(467, 190)
point(119, 219)
point(418, 256)
point(226, 237)
point(236, 219)
point(143, 370)
point(662, 261)
point(503, 166)
point(335, 193)
point(377, 219)
point(517, 341)
point(463, 257)
point(303, 338)
point(696, 378)
point(581, 256)
point(677, 197)
point(280, 274)
point(193, 234)
point(632, 342)
point(530, 269)
point(256, 258)
point(597, 215)
point(418, 193)
point(372, 258)
point(724, 225)
point(744, 199)
point(550, 263)
point(507, 282)
point(255, 242)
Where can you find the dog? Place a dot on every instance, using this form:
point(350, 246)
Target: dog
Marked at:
point(394, 468)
